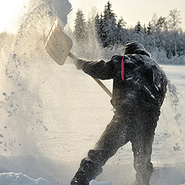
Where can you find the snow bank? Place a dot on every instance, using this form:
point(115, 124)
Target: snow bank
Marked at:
point(161, 58)
point(20, 179)
point(44, 135)
point(93, 182)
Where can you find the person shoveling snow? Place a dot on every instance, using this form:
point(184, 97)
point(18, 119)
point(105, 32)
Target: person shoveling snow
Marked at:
point(139, 88)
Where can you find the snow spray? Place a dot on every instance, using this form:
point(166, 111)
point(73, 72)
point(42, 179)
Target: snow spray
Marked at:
point(24, 69)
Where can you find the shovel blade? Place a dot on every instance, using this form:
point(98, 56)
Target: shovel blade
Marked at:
point(58, 44)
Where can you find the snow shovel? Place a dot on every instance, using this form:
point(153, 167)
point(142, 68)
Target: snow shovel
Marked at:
point(58, 46)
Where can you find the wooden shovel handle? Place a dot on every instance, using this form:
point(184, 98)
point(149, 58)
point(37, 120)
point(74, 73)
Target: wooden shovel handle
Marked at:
point(97, 80)
point(71, 55)
point(103, 87)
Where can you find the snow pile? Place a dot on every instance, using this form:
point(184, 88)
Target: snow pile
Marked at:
point(93, 182)
point(20, 179)
point(44, 135)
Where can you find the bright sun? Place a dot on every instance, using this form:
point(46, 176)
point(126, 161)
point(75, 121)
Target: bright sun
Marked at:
point(10, 10)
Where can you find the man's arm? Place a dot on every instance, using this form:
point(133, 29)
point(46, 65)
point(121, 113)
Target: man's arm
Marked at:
point(101, 69)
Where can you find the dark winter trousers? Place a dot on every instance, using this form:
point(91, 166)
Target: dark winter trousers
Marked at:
point(136, 126)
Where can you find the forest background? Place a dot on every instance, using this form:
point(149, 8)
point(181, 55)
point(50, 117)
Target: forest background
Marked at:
point(103, 35)
point(163, 37)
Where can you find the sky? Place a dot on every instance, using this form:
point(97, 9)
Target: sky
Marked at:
point(132, 11)
point(10, 11)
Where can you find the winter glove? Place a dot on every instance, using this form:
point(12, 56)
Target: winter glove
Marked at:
point(78, 63)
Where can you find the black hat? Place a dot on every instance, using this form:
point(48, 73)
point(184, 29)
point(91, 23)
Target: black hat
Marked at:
point(135, 48)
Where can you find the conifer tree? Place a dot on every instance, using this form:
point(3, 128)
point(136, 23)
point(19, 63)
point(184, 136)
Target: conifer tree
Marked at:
point(80, 30)
point(148, 32)
point(174, 20)
point(161, 35)
point(109, 26)
point(121, 32)
point(138, 27)
point(109, 31)
point(100, 28)
point(160, 24)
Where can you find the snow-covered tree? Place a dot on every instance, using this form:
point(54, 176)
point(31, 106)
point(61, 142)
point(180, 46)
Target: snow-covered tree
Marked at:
point(109, 25)
point(148, 32)
point(93, 45)
point(174, 27)
point(161, 35)
point(99, 25)
point(174, 20)
point(106, 26)
point(138, 27)
point(80, 30)
point(121, 32)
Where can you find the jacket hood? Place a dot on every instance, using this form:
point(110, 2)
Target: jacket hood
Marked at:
point(135, 48)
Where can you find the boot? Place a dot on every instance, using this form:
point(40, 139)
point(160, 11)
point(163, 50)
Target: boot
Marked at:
point(88, 171)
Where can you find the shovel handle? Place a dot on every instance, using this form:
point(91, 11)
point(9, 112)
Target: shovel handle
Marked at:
point(103, 87)
point(71, 55)
point(97, 80)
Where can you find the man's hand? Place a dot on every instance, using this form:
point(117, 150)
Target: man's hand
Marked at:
point(76, 61)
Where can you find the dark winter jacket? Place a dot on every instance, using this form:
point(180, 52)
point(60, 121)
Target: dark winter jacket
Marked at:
point(138, 81)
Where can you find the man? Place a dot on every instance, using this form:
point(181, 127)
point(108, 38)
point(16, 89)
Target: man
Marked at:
point(139, 87)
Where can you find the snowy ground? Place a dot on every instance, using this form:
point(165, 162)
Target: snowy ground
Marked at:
point(50, 116)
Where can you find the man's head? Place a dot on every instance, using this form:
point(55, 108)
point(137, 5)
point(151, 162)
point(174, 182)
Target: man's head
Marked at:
point(135, 48)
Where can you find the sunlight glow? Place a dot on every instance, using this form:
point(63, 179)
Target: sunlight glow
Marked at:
point(10, 11)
